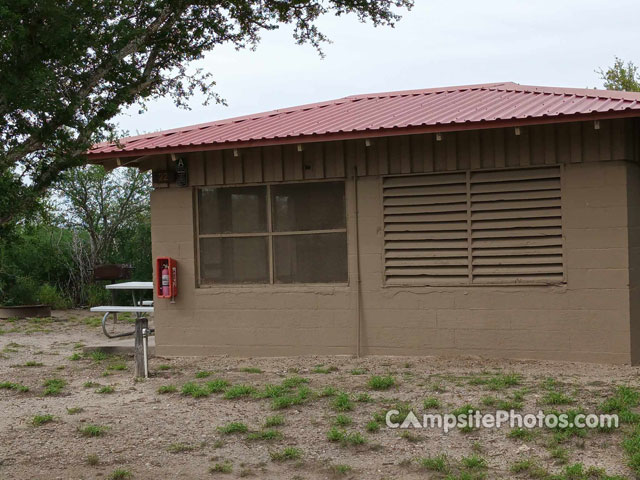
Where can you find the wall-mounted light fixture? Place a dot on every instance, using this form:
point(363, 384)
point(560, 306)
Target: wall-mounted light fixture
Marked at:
point(236, 153)
point(438, 137)
point(596, 125)
point(517, 131)
point(367, 142)
point(300, 148)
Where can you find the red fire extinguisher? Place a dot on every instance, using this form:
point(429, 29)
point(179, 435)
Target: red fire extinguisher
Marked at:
point(165, 280)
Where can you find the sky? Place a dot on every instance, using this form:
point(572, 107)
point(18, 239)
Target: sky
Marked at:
point(438, 43)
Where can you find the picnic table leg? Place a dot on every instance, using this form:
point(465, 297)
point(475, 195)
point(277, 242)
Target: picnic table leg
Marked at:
point(141, 325)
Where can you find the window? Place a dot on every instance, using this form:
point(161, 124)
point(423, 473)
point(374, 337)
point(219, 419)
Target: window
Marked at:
point(285, 233)
point(490, 227)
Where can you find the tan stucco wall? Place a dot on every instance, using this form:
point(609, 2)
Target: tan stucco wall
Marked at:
point(588, 319)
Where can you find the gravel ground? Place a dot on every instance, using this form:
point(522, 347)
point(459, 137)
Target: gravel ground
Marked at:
point(158, 436)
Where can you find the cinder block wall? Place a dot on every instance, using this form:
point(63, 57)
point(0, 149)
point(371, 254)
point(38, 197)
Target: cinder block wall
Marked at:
point(588, 319)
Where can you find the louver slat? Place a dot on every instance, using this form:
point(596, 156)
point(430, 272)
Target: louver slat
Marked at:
point(516, 226)
point(490, 227)
point(426, 229)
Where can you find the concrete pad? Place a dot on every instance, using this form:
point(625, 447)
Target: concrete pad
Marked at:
point(119, 346)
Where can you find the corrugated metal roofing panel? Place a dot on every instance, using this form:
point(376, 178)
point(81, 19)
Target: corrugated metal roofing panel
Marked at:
point(469, 105)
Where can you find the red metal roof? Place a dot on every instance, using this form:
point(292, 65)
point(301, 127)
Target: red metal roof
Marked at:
point(390, 113)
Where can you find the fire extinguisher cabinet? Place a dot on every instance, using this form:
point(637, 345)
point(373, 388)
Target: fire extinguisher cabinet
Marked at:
point(166, 277)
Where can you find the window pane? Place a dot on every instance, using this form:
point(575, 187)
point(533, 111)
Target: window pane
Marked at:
point(316, 258)
point(232, 210)
point(234, 260)
point(308, 206)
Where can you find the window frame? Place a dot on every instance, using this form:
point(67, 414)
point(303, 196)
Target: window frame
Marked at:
point(269, 234)
point(452, 285)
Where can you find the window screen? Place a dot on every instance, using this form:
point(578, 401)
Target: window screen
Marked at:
point(493, 227)
point(286, 233)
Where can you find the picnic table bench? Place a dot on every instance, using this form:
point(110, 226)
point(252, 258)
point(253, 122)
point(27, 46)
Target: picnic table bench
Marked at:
point(140, 308)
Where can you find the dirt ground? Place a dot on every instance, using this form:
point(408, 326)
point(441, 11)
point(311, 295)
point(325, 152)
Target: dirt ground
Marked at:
point(150, 435)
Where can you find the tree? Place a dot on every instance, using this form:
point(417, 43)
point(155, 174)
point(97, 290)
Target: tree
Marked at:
point(621, 76)
point(67, 67)
point(103, 205)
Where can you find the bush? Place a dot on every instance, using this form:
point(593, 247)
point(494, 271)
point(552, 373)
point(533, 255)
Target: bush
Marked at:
point(50, 295)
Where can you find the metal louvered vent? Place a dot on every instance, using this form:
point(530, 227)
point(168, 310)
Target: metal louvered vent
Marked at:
point(493, 227)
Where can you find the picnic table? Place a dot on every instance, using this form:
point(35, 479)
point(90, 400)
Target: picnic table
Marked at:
point(140, 308)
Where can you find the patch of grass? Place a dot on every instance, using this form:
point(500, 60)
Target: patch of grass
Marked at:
point(323, 369)
point(117, 366)
point(439, 463)
point(164, 367)
point(288, 453)
point(522, 466)
point(90, 384)
point(106, 389)
point(340, 469)
point(372, 426)
point(328, 392)
point(120, 474)
point(473, 462)
point(293, 382)
point(624, 399)
point(239, 391)
point(251, 370)
point(233, 427)
point(74, 410)
point(363, 398)
point(431, 403)
point(203, 374)
point(358, 371)
point(556, 398)
point(571, 430)
point(54, 386)
point(342, 403)
point(631, 446)
point(98, 355)
point(38, 420)
point(343, 420)
point(92, 430)
point(274, 421)
point(217, 386)
point(521, 434)
point(76, 356)
point(195, 390)
point(164, 389)
point(32, 363)
point(503, 380)
point(224, 467)
point(298, 398)
point(409, 436)
point(180, 447)
point(378, 382)
point(265, 435)
point(93, 459)
point(559, 454)
point(18, 387)
point(467, 410)
point(344, 437)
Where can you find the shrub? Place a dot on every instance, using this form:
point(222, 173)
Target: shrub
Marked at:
point(120, 474)
point(50, 295)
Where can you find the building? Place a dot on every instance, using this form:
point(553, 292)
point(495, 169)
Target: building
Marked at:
point(500, 220)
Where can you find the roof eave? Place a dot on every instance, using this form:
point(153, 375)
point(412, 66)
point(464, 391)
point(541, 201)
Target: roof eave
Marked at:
point(354, 135)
